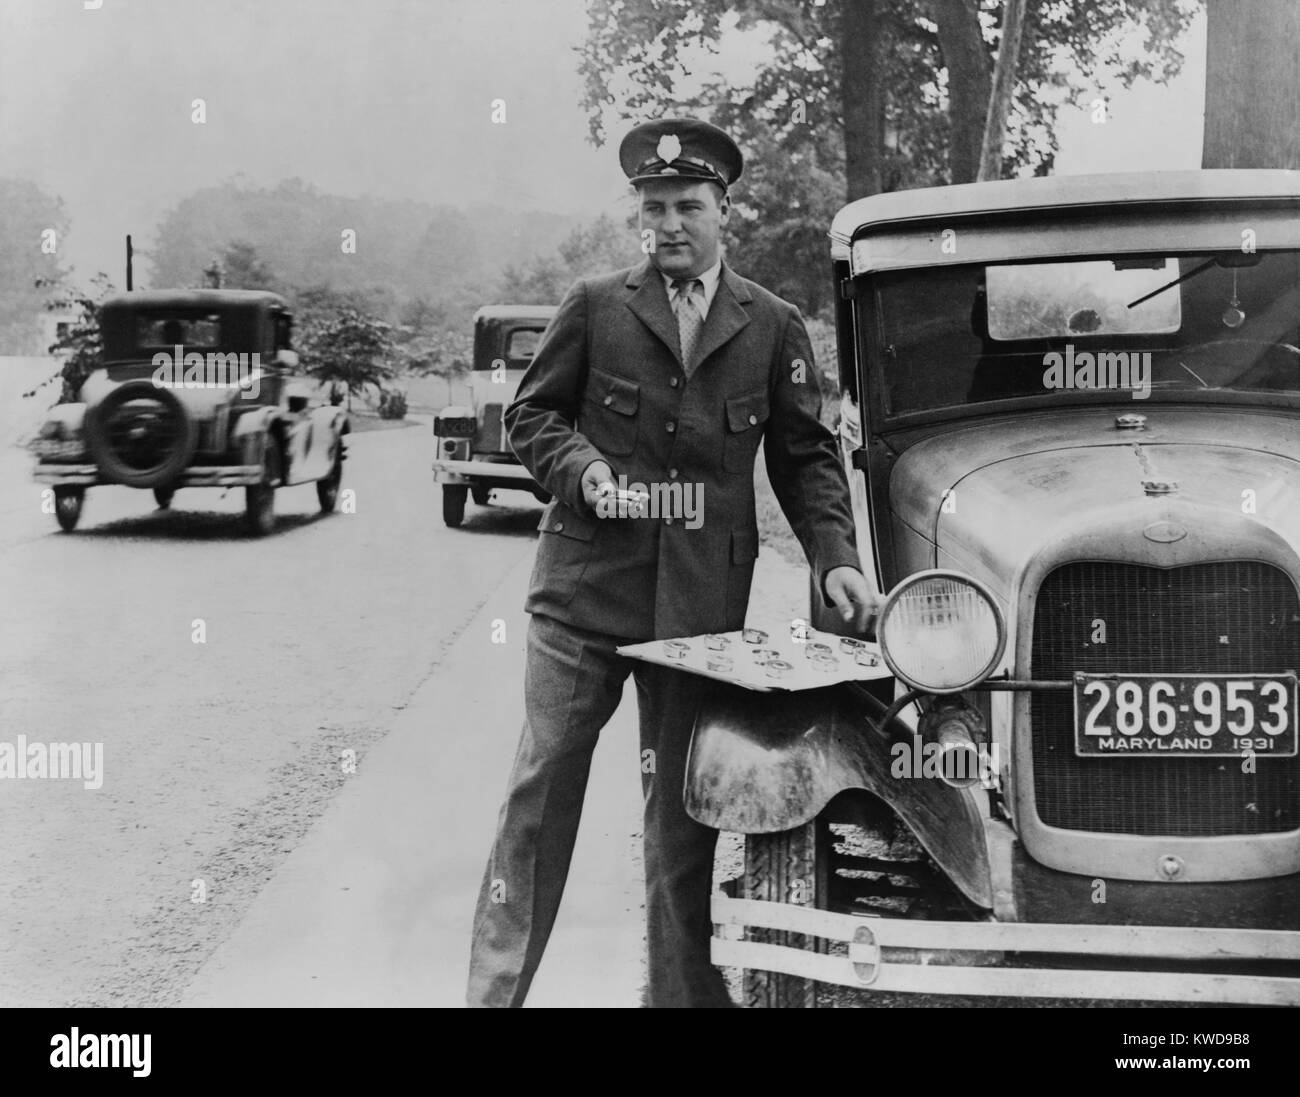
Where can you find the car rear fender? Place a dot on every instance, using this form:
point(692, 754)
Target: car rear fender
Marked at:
point(70, 417)
point(766, 762)
point(251, 430)
point(330, 422)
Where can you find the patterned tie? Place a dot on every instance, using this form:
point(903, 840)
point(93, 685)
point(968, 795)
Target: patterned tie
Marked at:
point(689, 320)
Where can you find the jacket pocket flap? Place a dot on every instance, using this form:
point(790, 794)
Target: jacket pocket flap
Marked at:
point(615, 393)
point(744, 545)
point(567, 522)
point(747, 411)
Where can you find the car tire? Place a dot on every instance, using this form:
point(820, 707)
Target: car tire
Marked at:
point(106, 421)
point(163, 497)
point(259, 499)
point(453, 504)
point(67, 506)
point(786, 867)
point(327, 488)
point(480, 494)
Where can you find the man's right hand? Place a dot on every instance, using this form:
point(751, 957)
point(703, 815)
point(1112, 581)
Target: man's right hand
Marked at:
point(597, 473)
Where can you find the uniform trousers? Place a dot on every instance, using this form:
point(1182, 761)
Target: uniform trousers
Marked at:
point(573, 683)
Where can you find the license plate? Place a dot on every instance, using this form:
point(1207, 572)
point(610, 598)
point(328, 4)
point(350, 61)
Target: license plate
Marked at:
point(455, 428)
point(1185, 715)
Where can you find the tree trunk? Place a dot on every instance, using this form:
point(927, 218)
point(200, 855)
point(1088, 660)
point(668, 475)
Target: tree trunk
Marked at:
point(970, 81)
point(1252, 84)
point(1004, 83)
point(862, 95)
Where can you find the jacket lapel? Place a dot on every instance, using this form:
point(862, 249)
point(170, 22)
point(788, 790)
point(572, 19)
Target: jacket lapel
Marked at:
point(649, 301)
point(726, 314)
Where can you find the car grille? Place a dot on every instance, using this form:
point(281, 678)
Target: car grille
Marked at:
point(1221, 618)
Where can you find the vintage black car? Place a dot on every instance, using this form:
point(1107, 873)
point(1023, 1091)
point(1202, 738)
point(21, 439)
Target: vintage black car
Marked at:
point(474, 455)
point(198, 388)
point(1071, 421)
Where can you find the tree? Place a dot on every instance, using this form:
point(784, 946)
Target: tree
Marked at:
point(1252, 85)
point(80, 343)
point(243, 268)
point(898, 88)
point(445, 353)
point(597, 248)
point(777, 233)
point(1004, 81)
point(349, 348)
point(32, 227)
point(299, 236)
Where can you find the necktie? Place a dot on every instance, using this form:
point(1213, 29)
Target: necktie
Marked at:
point(689, 320)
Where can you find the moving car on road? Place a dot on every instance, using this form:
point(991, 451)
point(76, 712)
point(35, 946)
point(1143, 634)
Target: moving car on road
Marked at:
point(198, 388)
point(1071, 422)
point(474, 455)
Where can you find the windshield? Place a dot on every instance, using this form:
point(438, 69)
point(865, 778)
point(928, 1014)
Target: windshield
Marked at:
point(1137, 327)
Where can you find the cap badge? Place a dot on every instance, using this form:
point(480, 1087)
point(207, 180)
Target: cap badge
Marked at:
point(669, 148)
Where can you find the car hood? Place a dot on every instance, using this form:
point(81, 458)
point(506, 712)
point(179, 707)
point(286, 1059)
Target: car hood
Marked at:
point(1191, 484)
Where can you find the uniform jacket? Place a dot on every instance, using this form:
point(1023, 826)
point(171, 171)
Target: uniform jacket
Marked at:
point(607, 383)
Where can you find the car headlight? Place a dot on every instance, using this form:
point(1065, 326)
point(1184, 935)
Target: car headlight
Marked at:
point(941, 632)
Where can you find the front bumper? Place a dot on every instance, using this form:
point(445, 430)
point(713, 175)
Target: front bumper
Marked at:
point(467, 472)
point(888, 954)
point(196, 476)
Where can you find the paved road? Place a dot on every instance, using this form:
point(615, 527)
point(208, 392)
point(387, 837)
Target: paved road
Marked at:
point(224, 760)
point(218, 755)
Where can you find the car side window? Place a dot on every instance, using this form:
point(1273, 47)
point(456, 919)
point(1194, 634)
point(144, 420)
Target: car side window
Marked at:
point(283, 331)
point(522, 344)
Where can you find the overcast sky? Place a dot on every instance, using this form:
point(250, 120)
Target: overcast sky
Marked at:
point(391, 98)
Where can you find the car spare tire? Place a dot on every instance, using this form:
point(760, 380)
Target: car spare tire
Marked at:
point(141, 435)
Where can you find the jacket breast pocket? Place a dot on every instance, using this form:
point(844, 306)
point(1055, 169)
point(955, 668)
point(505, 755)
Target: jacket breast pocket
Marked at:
point(746, 415)
point(609, 413)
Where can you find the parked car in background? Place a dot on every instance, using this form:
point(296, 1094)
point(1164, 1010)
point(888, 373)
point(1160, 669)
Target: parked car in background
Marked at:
point(1071, 423)
point(198, 388)
point(474, 456)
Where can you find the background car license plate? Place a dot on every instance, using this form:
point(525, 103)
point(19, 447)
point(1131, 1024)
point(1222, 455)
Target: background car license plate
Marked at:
point(1184, 715)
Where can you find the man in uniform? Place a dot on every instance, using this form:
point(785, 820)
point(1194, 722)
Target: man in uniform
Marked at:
point(669, 373)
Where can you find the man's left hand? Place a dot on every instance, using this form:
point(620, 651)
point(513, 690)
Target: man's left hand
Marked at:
point(849, 592)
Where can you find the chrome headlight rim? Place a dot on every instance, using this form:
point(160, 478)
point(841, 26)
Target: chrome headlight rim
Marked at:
point(902, 588)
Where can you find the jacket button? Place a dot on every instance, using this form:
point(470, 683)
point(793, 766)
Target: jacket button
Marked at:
point(673, 382)
point(559, 526)
point(671, 427)
point(752, 419)
point(672, 474)
point(668, 521)
point(608, 400)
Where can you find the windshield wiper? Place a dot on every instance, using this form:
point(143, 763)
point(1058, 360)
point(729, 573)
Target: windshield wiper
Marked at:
point(1170, 285)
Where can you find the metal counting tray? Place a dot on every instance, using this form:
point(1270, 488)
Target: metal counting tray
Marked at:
point(768, 656)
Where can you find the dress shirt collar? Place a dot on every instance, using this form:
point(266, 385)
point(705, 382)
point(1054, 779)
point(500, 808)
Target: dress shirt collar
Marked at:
point(710, 278)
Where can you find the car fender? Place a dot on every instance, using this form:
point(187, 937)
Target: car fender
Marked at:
point(71, 418)
point(255, 421)
point(248, 437)
point(762, 762)
point(331, 420)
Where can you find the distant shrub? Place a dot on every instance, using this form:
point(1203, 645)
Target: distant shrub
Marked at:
point(392, 404)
